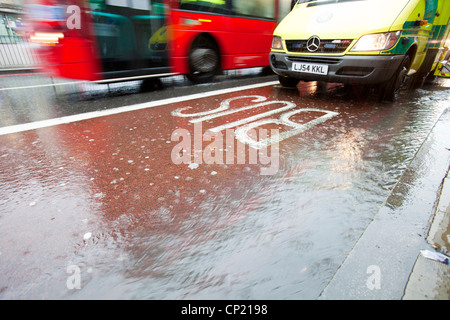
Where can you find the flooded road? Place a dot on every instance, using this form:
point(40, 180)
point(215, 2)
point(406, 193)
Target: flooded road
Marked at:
point(136, 201)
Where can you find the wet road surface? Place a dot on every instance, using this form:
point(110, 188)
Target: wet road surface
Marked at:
point(134, 204)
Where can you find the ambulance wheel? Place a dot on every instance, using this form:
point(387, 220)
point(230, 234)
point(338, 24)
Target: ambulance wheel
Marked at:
point(204, 60)
point(431, 78)
point(390, 89)
point(288, 82)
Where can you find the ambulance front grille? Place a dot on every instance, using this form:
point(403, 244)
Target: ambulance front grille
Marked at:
point(326, 46)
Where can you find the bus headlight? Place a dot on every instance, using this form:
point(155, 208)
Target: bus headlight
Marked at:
point(277, 43)
point(377, 41)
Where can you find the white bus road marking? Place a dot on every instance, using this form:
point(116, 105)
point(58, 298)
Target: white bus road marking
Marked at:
point(97, 114)
point(246, 124)
point(283, 119)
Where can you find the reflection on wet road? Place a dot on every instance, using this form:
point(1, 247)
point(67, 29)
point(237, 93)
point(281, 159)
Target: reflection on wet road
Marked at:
point(102, 198)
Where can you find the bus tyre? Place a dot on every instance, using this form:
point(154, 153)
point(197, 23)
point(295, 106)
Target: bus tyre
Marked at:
point(204, 60)
point(390, 89)
point(266, 71)
point(151, 84)
point(288, 82)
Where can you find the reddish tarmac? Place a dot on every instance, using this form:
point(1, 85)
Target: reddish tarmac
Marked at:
point(165, 201)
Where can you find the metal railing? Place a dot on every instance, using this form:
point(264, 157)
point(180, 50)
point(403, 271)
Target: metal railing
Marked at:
point(16, 53)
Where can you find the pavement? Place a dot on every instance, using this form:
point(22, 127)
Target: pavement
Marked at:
point(386, 263)
point(429, 279)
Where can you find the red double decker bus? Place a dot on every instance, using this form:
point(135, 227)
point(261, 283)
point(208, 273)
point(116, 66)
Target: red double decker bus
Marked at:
point(109, 39)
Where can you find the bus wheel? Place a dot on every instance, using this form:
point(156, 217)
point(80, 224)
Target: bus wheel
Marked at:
point(390, 89)
point(204, 61)
point(151, 84)
point(288, 82)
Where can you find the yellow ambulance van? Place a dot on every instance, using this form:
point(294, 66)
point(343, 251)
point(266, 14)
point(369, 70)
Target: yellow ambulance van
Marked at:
point(364, 42)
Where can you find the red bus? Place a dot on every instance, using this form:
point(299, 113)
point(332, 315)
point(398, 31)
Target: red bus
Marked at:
point(109, 39)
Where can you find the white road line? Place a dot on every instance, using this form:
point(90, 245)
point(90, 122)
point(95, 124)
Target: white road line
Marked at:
point(140, 106)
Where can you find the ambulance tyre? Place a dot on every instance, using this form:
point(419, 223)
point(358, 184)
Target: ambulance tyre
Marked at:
point(431, 78)
point(288, 82)
point(390, 89)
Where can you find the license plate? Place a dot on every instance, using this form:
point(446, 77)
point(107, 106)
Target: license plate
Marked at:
point(310, 68)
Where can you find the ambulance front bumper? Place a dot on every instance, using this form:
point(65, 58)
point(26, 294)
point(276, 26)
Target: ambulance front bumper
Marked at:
point(351, 69)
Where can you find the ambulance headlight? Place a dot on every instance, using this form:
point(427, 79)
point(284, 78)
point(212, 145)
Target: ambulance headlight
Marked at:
point(277, 43)
point(377, 41)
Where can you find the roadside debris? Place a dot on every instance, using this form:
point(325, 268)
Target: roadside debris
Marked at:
point(436, 256)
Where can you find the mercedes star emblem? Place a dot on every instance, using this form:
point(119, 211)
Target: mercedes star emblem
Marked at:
point(313, 44)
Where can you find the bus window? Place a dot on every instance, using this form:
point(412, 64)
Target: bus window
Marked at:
point(130, 34)
point(256, 8)
point(211, 6)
